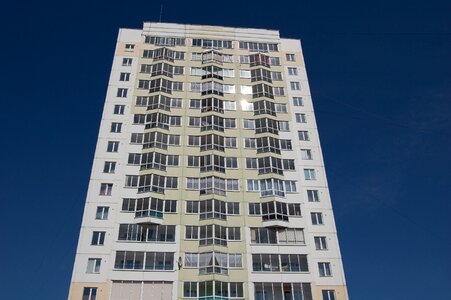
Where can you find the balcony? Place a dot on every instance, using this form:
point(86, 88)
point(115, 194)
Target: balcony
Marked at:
point(149, 217)
point(275, 220)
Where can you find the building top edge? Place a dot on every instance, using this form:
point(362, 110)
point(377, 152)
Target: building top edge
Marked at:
point(188, 30)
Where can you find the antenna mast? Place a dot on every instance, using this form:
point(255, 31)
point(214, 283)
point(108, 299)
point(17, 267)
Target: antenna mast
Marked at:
point(161, 11)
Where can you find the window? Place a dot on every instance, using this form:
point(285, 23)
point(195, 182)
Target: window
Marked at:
point(229, 105)
point(192, 207)
point(258, 47)
point(292, 71)
point(231, 162)
point(124, 77)
point(98, 238)
point(109, 167)
point(324, 269)
point(275, 235)
point(121, 93)
point(312, 195)
point(105, 189)
point(281, 108)
point(235, 260)
point(328, 294)
point(250, 143)
point(303, 136)
point(233, 233)
point(247, 106)
point(290, 186)
point(145, 233)
point(191, 260)
point(129, 46)
point(191, 232)
point(172, 160)
point(89, 293)
point(306, 154)
point(127, 61)
point(297, 101)
point(290, 57)
point(284, 126)
point(295, 86)
point(286, 145)
point(264, 107)
point(138, 260)
point(102, 212)
point(253, 185)
point(246, 89)
point(175, 121)
point(317, 218)
point(288, 164)
point(262, 90)
point(309, 174)
point(300, 118)
point(244, 59)
point(131, 180)
point(177, 86)
point(274, 61)
point(245, 73)
point(279, 91)
point(320, 243)
point(212, 44)
point(251, 163)
point(232, 185)
point(93, 265)
point(268, 144)
point(233, 208)
point(276, 75)
point(116, 127)
point(194, 103)
point(178, 70)
point(248, 124)
point(266, 125)
point(119, 109)
point(229, 123)
point(165, 41)
point(261, 74)
point(190, 289)
point(230, 142)
point(176, 102)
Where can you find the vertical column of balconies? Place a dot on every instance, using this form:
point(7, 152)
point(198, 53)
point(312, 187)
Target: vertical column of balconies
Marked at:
point(268, 153)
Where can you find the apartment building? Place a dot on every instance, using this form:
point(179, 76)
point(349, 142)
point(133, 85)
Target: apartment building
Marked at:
point(208, 180)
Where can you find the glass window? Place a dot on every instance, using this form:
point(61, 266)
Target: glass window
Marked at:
point(317, 218)
point(89, 293)
point(303, 135)
point(297, 101)
point(102, 212)
point(98, 238)
point(313, 195)
point(93, 265)
point(292, 71)
point(328, 294)
point(324, 269)
point(119, 109)
point(290, 57)
point(109, 167)
point(112, 147)
point(320, 243)
point(106, 189)
point(309, 174)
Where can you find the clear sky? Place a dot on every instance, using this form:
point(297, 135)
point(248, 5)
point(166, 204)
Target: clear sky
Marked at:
point(380, 75)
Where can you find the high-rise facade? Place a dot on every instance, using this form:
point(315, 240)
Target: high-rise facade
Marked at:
point(208, 180)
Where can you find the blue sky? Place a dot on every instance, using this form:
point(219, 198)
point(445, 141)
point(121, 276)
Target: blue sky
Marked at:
point(380, 75)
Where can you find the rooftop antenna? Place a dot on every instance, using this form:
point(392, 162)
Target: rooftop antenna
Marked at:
point(161, 11)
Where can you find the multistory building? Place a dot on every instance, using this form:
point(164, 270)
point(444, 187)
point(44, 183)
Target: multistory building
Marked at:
point(208, 180)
